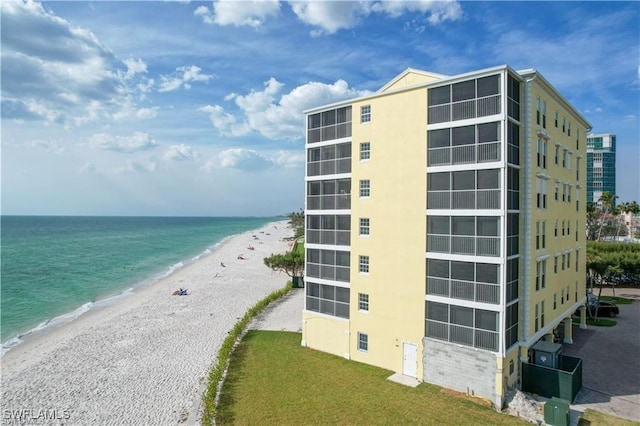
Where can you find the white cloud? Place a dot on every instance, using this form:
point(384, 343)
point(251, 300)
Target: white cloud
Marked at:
point(137, 167)
point(139, 141)
point(239, 13)
point(180, 152)
point(274, 116)
point(332, 16)
point(182, 77)
point(135, 66)
point(243, 159)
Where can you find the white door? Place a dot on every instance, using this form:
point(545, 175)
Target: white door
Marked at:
point(410, 359)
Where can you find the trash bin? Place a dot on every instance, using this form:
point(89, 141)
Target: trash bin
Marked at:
point(556, 412)
point(297, 282)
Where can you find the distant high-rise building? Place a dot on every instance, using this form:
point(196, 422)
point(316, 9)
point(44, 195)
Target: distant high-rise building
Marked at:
point(444, 227)
point(601, 166)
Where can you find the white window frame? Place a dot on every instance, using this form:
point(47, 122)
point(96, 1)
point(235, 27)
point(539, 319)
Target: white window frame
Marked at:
point(363, 302)
point(365, 188)
point(365, 151)
point(363, 342)
point(365, 226)
point(363, 264)
point(365, 114)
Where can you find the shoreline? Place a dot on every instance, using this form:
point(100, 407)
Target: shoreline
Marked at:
point(144, 358)
point(86, 308)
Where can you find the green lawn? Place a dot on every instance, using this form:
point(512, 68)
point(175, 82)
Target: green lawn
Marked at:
point(617, 300)
point(273, 380)
point(591, 417)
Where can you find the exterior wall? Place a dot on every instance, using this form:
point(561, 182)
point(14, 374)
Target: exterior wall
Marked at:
point(461, 368)
point(325, 333)
point(396, 244)
point(564, 288)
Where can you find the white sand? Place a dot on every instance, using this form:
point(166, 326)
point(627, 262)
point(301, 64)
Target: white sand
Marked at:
point(145, 359)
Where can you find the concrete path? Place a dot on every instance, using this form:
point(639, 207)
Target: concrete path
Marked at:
point(610, 362)
point(283, 315)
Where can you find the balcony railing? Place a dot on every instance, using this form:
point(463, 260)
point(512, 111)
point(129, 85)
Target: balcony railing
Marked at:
point(468, 336)
point(332, 237)
point(470, 199)
point(468, 245)
point(464, 154)
point(462, 110)
point(329, 167)
point(464, 290)
point(329, 202)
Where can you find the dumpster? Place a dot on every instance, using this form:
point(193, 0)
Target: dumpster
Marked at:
point(556, 412)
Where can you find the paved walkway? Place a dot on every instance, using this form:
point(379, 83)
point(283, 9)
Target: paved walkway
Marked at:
point(610, 362)
point(284, 314)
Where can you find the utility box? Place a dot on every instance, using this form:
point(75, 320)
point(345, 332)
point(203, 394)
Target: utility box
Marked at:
point(547, 354)
point(557, 412)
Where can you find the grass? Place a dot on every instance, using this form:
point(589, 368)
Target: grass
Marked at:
point(591, 417)
point(273, 380)
point(617, 300)
point(224, 355)
point(601, 322)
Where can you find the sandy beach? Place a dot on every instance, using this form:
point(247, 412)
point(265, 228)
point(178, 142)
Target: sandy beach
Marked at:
point(145, 359)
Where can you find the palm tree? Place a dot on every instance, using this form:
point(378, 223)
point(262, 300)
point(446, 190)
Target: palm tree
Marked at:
point(622, 209)
point(608, 202)
point(633, 208)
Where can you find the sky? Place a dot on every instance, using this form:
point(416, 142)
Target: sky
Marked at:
point(196, 108)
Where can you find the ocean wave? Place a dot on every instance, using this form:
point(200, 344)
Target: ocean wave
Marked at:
point(63, 319)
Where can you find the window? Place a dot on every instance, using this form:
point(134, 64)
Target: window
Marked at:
point(564, 158)
point(542, 153)
point(363, 342)
point(363, 302)
point(562, 297)
point(364, 226)
point(365, 188)
point(365, 113)
point(555, 300)
point(535, 328)
point(555, 265)
point(568, 260)
point(564, 125)
point(541, 271)
point(555, 231)
point(541, 199)
point(555, 193)
point(563, 261)
point(537, 235)
point(544, 234)
point(557, 154)
point(555, 119)
point(542, 314)
point(363, 264)
point(563, 228)
point(365, 151)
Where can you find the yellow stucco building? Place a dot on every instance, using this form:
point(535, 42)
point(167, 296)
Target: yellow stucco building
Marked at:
point(445, 226)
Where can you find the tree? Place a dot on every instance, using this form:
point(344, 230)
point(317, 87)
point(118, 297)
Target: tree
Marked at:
point(291, 263)
point(608, 202)
point(296, 220)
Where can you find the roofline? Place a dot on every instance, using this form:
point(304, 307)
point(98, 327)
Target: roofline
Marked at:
point(532, 74)
point(407, 71)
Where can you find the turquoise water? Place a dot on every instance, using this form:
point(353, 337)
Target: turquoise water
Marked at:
point(55, 268)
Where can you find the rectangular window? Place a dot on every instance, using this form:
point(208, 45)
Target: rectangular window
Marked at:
point(555, 300)
point(536, 319)
point(542, 314)
point(557, 154)
point(363, 264)
point(555, 231)
point(544, 234)
point(365, 113)
point(365, 188)
point(364, 226)
point(555, 265)
point(365, 151)
point(363, 302)
point(555, 117)
point(568, 260)
point(363, 342)
point(537, 235)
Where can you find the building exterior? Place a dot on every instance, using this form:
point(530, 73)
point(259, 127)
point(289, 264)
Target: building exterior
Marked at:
point(601, 166)
point(443, 226)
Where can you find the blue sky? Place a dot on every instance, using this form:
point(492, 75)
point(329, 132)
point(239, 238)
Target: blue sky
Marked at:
point(195, 108)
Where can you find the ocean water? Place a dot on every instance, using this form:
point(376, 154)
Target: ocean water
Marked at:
point(55, 268)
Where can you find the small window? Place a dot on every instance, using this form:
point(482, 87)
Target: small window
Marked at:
point(363, 302)
point(364, 226)
point(363, 342)
point(365, 188)
point(363, 264)
point(365, 151)
point(365, 113)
